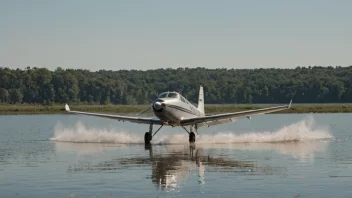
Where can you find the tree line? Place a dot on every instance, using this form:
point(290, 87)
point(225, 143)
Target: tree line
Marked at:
point(222, 86)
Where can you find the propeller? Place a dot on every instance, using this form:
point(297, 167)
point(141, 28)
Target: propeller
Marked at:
point(147, 109)
point(150, 106)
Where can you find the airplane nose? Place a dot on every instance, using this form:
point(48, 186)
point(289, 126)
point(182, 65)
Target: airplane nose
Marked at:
point(158, 105)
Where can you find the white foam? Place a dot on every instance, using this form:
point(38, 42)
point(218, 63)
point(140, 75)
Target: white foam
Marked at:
point(305, 130)
point(80, 133)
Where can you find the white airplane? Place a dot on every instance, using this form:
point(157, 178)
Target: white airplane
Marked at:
point(173, 109)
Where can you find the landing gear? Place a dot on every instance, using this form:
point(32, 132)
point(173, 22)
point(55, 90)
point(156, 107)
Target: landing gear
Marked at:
point(148, 136)
point(192, 137)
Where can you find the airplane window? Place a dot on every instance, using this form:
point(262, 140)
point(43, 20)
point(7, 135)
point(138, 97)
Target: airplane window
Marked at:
point(172, 95)
point(163, 95)
point(182, 99)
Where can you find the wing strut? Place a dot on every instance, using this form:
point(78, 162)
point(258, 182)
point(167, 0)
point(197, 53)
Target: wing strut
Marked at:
point(185, 129)
point(158, 130)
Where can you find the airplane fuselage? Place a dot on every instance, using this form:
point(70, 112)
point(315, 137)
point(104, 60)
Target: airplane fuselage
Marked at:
point(174, 109)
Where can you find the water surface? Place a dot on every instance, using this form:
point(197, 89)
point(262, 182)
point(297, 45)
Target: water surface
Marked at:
point(293, 155)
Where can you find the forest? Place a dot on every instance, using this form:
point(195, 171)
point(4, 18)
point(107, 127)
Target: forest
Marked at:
point(221, 86)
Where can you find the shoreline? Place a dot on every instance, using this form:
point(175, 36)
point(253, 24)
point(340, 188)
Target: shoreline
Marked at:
point(27, 109)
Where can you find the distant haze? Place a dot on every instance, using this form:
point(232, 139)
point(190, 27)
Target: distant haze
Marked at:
point(144, 35)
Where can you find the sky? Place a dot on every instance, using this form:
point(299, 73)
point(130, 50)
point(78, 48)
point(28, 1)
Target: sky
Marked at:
point(131, 34)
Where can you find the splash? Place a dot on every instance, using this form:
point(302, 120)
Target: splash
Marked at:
point(81, 134)
point(301, 131)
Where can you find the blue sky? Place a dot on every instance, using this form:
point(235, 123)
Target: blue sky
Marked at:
point(143, 35)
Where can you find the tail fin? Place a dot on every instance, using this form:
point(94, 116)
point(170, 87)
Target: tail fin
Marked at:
point(201, 100)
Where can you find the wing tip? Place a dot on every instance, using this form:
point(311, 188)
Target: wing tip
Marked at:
point(67, 108)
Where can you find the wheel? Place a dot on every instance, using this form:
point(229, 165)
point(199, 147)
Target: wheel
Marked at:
point(147, 138)
point(192, 137)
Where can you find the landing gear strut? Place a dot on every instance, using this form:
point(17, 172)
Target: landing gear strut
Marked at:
point(148, 136)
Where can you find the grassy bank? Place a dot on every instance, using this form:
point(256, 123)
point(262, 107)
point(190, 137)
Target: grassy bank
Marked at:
point(56, 109)
point(209, 109)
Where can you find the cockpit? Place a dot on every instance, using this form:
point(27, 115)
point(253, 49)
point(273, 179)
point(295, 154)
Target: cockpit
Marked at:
point(169, 95)
point(173, 95)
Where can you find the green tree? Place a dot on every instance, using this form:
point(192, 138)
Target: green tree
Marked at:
point(15, 96)
point(314, 84)
point(4, 95)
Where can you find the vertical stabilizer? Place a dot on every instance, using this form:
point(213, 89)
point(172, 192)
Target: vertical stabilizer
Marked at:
point(201, 100)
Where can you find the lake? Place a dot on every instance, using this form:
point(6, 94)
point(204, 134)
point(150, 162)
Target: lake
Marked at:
point(276, 155)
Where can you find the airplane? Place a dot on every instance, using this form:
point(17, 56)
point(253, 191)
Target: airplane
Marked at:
point(172, 109)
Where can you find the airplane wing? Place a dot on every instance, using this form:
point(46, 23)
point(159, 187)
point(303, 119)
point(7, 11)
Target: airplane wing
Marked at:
point(119, 118)
point(230, 117)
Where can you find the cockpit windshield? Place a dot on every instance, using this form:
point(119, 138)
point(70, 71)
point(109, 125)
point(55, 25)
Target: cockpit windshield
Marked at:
point(168, 95)
point(172, 95)
point(163, 95)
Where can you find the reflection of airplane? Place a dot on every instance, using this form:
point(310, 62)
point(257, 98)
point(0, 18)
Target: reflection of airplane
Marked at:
point(170, 164)
point(173, 167)
point(173, 109)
